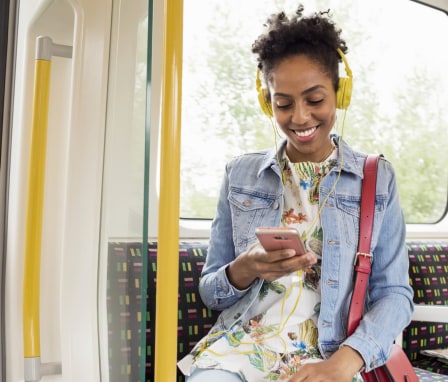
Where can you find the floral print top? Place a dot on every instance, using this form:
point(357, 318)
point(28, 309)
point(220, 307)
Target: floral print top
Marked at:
point(279, 333)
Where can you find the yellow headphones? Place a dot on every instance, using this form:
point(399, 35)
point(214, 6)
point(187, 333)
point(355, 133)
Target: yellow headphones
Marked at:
point(343, 95)
point(263, 96)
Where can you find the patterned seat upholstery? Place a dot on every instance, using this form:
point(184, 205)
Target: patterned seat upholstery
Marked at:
point(124, 306)
point(428, 272)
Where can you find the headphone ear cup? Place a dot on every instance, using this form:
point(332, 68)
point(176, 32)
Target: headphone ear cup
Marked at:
point(345, 85)
point(344, 93)
point(263, 97)
point(265, 105)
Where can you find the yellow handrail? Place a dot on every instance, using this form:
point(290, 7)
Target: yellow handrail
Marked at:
point(168, 247)
point(35, 200)
point(36, 178)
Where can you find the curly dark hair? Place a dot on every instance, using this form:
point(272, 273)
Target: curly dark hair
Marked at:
point(315, 36)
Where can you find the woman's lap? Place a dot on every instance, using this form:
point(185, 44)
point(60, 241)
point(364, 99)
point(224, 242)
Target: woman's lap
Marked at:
point(215, 375)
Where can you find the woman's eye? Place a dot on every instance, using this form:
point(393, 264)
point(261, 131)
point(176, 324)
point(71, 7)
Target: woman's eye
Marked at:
point(316, 101)
point(283, 106)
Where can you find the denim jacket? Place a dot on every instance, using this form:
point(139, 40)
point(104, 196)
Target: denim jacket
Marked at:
point(251, 196)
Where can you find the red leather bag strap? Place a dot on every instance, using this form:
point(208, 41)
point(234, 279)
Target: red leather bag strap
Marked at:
point(363, 257)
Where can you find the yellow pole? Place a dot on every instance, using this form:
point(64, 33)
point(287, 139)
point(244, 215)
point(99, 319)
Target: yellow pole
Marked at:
point(36, 178)
point(45, 49)
point(168, 247)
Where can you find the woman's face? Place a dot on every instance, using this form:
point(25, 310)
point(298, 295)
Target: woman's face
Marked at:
point(304, 104)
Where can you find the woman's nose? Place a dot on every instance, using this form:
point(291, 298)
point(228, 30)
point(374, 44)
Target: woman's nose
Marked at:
point(300, 113)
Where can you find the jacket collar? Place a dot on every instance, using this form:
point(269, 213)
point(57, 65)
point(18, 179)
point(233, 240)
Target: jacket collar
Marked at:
point(353, 161)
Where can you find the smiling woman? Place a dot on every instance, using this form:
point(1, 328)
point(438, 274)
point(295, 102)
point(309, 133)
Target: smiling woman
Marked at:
point(278, 308)
point(397, 89)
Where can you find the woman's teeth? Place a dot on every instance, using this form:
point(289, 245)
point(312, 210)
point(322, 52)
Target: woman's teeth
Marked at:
point(305, 133)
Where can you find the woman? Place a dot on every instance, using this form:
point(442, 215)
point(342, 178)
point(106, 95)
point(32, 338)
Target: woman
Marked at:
point(284, 316)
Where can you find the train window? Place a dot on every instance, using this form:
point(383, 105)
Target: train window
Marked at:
point(398, 106)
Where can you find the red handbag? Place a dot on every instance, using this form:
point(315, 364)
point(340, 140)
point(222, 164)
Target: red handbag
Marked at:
point(398, 368)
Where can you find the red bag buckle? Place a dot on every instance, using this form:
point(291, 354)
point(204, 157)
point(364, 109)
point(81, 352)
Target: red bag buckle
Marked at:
point(364, 255)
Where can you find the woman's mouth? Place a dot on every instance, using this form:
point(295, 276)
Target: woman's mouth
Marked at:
point(305, 133)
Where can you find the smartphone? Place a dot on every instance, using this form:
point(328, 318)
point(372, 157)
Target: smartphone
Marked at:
point(275, 238)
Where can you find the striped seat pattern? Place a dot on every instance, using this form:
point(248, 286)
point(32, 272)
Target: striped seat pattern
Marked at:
point(428, 272)
point(124, 306)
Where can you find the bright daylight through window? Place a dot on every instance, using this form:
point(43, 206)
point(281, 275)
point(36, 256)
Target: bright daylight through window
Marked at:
point(398, 106)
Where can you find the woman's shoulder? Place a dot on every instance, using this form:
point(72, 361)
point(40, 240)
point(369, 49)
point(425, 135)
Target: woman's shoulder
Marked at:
point(254, 157)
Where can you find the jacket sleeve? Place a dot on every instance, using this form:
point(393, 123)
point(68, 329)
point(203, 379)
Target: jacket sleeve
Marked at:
point(215, 289)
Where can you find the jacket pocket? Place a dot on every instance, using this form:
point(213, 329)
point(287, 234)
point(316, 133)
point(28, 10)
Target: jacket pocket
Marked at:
point(251, 209)
point(350, 210)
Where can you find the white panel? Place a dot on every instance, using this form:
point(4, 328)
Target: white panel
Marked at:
point(69, 319)
point(79, 293)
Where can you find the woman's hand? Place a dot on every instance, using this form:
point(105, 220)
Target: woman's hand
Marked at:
point(257, 263)
point(340, 367)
